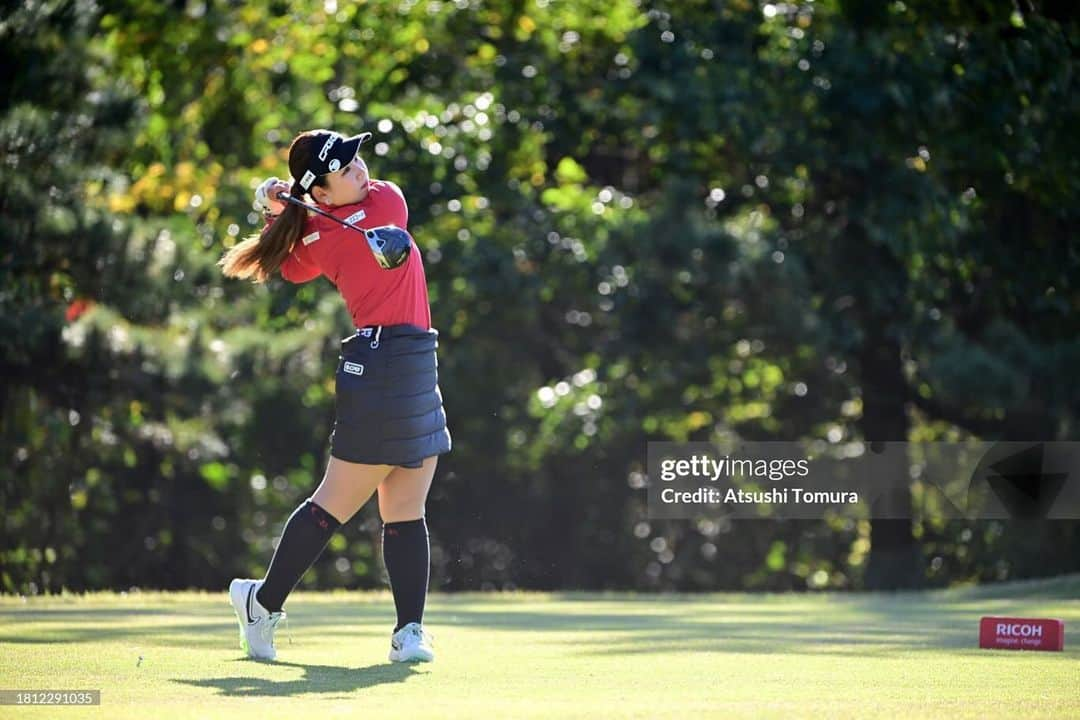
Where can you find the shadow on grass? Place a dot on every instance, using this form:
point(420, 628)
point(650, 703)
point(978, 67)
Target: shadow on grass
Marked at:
point(198, 624)
point(317, 679)
point(875, 625)
point(868, 625)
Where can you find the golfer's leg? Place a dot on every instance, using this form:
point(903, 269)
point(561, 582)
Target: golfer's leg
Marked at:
point(345, 488)
point(406, 551)
point(403, 493)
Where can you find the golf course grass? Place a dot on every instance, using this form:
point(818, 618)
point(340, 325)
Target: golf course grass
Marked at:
point(172, 655)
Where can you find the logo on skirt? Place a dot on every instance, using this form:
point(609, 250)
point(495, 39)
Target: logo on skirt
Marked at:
point(353, 368)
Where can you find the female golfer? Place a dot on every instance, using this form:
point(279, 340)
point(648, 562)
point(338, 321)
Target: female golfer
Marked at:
point(390, 426)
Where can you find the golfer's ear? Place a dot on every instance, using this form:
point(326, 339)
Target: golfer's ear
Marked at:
point(319, 194)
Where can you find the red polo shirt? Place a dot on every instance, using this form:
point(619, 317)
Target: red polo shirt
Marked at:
point(374, 296)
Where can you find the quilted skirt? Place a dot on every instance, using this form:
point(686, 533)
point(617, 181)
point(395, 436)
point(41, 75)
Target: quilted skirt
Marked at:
point(389, 406)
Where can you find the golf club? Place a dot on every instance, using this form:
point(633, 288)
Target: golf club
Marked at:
point(390, 244)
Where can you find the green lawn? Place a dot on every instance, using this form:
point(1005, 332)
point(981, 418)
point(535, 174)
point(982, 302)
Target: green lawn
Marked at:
point(551, 656)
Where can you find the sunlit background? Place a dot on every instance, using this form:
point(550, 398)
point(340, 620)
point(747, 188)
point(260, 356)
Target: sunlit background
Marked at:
point(639, 221)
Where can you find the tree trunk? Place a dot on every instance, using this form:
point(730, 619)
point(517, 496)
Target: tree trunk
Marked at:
point(895, 561)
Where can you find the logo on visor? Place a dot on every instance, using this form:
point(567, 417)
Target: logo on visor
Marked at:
point(353, 368)
point(325, 152)
point(334, 165)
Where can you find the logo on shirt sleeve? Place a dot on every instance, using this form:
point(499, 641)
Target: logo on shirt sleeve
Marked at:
point(356, 217)
point(308, 239)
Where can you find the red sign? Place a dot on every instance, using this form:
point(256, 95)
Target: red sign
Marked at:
point(1007, 633)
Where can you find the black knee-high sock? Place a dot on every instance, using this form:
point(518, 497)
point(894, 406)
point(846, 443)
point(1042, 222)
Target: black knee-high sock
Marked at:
point(407, 555)
point(306, 533)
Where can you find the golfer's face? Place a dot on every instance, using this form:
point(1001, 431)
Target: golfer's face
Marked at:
point(350, 183)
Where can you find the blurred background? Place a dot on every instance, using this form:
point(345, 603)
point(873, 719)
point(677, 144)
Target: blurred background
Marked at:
point(639, 220)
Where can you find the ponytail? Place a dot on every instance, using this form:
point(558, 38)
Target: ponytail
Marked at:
point(260, 256)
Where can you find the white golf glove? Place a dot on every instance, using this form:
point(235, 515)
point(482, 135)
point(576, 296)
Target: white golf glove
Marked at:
point(264, 202)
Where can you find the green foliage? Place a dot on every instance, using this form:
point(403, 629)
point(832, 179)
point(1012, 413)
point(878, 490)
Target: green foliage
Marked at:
point(638, 223)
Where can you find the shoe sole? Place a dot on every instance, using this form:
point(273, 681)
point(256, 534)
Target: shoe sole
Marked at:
point(238, 600)
point(412, 658)
point(236, 593)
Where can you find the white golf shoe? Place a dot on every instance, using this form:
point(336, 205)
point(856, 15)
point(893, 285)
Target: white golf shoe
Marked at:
point(256, 622)
point(411, 644)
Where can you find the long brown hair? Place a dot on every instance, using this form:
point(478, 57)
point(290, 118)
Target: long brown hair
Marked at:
point(259, 256)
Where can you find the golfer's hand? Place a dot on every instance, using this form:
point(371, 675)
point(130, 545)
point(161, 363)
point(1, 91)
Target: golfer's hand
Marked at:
point(266, 196)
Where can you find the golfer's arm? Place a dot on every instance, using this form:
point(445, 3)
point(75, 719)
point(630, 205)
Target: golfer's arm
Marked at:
point(296, 270)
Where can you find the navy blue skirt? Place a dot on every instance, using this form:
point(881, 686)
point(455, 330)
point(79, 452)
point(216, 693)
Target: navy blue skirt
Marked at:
point(389, 406)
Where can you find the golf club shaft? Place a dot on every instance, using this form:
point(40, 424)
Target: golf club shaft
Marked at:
point(295, 201)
